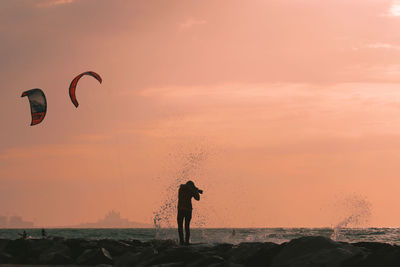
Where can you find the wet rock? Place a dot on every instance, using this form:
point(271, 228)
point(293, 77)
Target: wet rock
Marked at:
point(254, 254)
point(74, 245)
point(171, 264)
point(38, 246)
point(206, 261)
point(18, 249)
point(315, 251)
point(161, 245)
point(3, 244)
point(57, 254)
point(136, 243)
point(143, 258)
point(115, 247)
point(176, 254)
point(223, 250)
point(233, 264)
point(5, 257)
point(94, 256)
point(301, 252)
point(379, 255)
point(372, 245)
point(128, 259)
point(57, 238)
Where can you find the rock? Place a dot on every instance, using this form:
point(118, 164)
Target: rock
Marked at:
point(161, 245)
point(315, 251)
point(136, 243)
point(223, 250)
point(176, 254)
point(115, 247)
point(5, 257)
point(78, 246)
point(254, 254)
point(57, 254)
point(3, 244)
point(57, 238)
point(94, 256)
point(379, 255)
point(128, 259)
point(301, 252)
point(38, 246)
point(171, 264)
point(206, 261)
point(18, 249)
point(372, 245)
point(143, 258)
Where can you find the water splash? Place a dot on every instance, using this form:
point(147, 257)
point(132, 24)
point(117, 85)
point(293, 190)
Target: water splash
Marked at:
point(358, 212)
point(186, 166)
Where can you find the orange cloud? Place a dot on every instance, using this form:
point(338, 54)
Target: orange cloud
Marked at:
point(52, 3)
point(190, 22)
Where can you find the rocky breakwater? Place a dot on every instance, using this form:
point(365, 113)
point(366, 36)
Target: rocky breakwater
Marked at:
point(312, 251)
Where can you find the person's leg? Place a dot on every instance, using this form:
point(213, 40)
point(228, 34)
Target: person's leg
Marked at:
point(188, 217)
point(180, 226)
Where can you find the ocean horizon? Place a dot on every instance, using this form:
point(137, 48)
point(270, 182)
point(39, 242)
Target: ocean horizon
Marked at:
point(216, 235)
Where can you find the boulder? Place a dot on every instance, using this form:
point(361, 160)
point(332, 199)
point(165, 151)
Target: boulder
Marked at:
point(143, 258)
point(128, 259)
point(161, 245)
point(223, 250)
point(78, 246)
point(59, 253)
point(379, 255)
point(171, 264)
point(115, 247)
point(3, 243)
point(38, 246)
point(175, 254)
point(136, 243)
point(206, 261)
point(5, 258)
point(18, 249)
point(315, 251)
point(94, 256)
point(254, 254)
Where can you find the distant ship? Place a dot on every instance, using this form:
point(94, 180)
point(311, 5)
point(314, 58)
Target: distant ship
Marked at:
point(113, 220)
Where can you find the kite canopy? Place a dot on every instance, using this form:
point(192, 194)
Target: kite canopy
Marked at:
point(38, 103)
point(72, 87)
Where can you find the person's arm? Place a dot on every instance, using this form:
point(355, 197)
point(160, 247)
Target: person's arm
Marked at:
point(196, 194)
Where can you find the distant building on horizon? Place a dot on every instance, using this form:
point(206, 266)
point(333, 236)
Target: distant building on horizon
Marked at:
point(3, 221)
point(14, 222)
point(113, 219)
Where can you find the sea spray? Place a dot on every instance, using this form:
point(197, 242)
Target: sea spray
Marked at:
point(184, 166)
point(358, 212)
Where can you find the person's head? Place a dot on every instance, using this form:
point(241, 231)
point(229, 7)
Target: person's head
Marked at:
point(190, 183)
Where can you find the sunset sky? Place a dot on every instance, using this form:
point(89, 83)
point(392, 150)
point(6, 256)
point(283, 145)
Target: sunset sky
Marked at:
point(280, 110)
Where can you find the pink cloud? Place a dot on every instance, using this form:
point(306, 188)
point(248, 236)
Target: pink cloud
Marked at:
point(52, 3)
point(190, 22)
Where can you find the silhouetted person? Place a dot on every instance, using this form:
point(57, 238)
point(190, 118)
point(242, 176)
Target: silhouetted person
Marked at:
point(44, 234)
point(185, 194)
point(23, 235)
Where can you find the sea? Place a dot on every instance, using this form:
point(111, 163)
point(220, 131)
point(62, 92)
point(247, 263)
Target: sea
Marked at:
point(218, 235)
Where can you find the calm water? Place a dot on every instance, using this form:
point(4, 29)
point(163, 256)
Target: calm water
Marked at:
point(207, 235)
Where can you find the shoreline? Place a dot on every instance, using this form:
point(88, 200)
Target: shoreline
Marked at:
point(304, 251)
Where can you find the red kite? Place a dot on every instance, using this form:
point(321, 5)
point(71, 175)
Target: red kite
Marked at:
point(74, 82)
